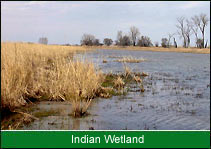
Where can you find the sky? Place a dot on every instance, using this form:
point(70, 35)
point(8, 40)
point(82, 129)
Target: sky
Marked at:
point(65, 22)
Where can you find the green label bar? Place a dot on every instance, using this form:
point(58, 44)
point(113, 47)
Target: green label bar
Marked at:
point(105, 139)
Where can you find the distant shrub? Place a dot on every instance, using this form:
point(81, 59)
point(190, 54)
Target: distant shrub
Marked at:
point(43, 40)
point(156, 44)
point(87, 40)
point(164, 42)
point(107, 41)
point(145, 42)
point(199, 43)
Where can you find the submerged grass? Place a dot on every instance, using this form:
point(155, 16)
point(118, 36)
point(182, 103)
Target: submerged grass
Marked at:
point(40, 114)
point(118, 84)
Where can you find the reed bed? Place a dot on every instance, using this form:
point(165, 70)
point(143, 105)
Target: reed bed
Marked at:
point(46, 72)
point(130, 59)
point(36, 72)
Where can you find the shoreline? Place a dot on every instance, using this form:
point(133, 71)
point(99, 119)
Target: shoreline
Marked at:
point(136, 48)
point(155, 49)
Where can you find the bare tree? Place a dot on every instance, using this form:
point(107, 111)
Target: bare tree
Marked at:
point(175, 43)
point(206, 44)
point(170, 36)
point(119, 38)
point(134, 33)
point(181, 30)
point(200, 22)
point(107, 41)
point(188, 32)
point(87, 39)
point(194, 27)
point(125, 41)
point(43, 40)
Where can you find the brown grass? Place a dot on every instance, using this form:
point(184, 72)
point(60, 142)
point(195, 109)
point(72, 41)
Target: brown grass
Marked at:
point(130, 59)
point(119, 83)
point(34, 71)
point(158, 49)
point(137, 79)
point(127, 70)
point(105, 61)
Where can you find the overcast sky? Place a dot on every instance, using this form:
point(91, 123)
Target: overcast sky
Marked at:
point(66, 22)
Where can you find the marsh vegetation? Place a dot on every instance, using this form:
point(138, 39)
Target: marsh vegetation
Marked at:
point(49, 87)
point(36, 72)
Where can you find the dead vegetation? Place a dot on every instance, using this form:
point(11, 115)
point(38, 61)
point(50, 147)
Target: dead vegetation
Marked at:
point(119, 83)
point(130, 59)
point(40, 72)
point(16, 119)
point(34, 72)
point(105, 61)
point(137, 79)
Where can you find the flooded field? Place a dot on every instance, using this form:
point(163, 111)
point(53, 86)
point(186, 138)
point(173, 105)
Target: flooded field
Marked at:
point(176, 96)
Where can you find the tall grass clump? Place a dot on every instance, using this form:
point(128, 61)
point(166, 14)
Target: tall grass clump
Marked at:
point(46, 72)
point(77, 82)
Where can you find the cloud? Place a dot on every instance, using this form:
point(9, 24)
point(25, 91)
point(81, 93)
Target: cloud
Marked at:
point(55, 19)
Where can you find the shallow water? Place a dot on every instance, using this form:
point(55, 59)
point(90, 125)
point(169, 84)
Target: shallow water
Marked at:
point(177, 95)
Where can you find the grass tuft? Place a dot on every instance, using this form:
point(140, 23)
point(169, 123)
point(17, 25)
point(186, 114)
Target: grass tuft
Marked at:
point(130, 59)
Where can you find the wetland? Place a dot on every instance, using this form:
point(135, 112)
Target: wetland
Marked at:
point(176, 95)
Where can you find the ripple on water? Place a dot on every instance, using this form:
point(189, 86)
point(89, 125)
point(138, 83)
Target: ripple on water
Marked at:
point(177, 96)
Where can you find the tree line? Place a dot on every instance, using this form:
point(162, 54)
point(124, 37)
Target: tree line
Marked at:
point(132, 38)
point(193, 26)
point(186, 27)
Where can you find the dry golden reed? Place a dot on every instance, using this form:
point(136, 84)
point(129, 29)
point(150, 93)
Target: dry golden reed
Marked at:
point(130, 59)
point(46, 72)
point(119, 83)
